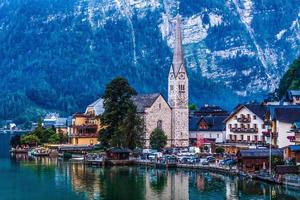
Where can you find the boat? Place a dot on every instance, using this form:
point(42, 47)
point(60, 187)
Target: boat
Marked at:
point(19, 150)
point(77, 157)
point(39, 152)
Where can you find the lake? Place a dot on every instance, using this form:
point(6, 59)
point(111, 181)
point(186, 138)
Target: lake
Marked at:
point(50, 179)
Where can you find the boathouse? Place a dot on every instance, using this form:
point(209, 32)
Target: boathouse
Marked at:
point(252, 160)
point(117, 153)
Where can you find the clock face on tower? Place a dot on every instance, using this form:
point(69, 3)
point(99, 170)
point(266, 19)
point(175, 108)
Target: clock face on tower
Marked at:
point(171, 76)
point(182, 76)
point(181, 100)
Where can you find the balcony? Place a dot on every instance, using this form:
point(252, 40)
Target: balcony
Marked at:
point(291, 138)
point(244, 120)
point(84, 135)
point(244, 130)
point(268, 133)
point(246, 142)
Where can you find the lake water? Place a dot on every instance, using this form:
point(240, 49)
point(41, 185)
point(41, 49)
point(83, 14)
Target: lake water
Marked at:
point(50, 179)
point(4, 144)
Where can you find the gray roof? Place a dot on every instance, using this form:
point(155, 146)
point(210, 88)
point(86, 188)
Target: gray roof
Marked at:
point(260, 153)
point(288, 114)
point(293, 93)
point(215, 123)
point(97, 106)
point(258, 109)
point(143, 101)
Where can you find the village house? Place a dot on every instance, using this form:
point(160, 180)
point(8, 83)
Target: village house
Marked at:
point(245, 127)
point(293, 97)
point(282, 119)
point(207, 131)
point(292, 152)
point(85, 127)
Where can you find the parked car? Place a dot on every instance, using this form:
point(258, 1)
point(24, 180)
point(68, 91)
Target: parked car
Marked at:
point(204, 162)
point(210, 159)
point(231, 162)
point(193, 160)
point(223, 162)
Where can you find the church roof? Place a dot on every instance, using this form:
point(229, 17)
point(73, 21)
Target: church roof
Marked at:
point(143, 101)
point(178, 60)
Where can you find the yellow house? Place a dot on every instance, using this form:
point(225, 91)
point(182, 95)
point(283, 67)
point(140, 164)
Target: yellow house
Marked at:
point(86, 126)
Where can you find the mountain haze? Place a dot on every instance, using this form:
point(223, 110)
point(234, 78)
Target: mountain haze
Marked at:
point(58, 55)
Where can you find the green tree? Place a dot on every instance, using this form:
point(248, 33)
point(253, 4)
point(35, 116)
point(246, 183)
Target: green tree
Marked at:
point(54, 139)
point(158, 139)
point(193, 107)
point(132, 129)
point(123, 126)
point(291, 79)
point(46, 134)
point(63, 138)
point(220, 150)
point(30, 139)
point(205, 148)
point(38, 131)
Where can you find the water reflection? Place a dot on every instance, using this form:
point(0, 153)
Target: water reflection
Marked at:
point(76, 181)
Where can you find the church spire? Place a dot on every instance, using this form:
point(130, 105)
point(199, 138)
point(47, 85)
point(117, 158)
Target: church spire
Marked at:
point(178, 59)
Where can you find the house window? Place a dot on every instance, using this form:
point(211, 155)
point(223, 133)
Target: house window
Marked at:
point(235, 125)
point(230, 126)
point(254, 116)
point(234, 137)
point(255, 138)
point(242, 137)
point(159, 124)
point(217, 135)
point(159, 106)
point(248, 125)
point(248, 138)
point(235, 117)
point(171, 87)
point(210, 135)
point(255, 126)
point(248, 116)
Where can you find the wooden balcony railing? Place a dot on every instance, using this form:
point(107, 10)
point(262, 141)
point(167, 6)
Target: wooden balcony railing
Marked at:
point(244, 130)
point(244, 120)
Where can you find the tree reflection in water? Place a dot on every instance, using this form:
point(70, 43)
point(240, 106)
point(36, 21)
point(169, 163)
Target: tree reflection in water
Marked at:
point(158, 181)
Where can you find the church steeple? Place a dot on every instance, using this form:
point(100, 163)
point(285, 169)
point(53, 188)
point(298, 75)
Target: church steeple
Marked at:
point(178, 92)
point(178, 60)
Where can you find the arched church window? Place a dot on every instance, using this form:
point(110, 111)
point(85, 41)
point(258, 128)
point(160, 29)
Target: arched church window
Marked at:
point(159, 124)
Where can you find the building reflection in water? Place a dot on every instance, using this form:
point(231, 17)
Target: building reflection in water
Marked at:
point(132, 183)
point(85, 180)
point(169, 185)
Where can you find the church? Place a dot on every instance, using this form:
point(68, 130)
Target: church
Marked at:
point(172, 116)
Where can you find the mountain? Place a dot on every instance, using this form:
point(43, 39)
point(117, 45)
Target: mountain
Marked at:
point(58, 55)
point(291, 79)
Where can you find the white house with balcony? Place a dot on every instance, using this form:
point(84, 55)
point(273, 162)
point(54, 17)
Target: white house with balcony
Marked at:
point(282, 118)
point(245, 126)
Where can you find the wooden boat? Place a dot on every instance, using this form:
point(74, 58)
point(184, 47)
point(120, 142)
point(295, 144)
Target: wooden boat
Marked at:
point(19, 151)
